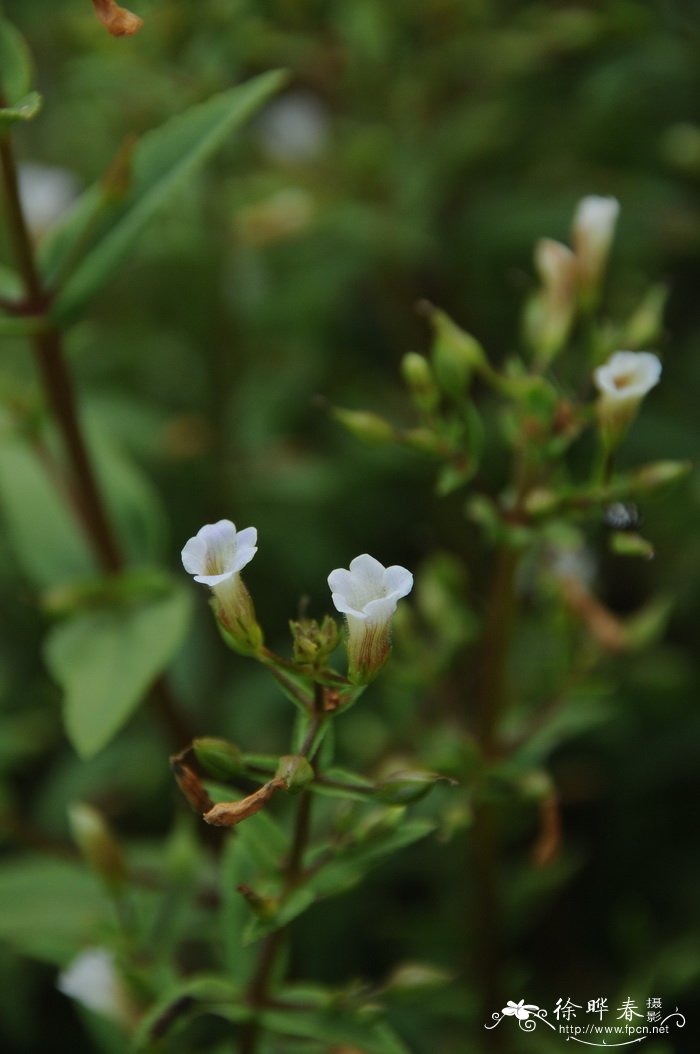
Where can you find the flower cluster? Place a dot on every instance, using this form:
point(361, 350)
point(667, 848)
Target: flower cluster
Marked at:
point(367, 594)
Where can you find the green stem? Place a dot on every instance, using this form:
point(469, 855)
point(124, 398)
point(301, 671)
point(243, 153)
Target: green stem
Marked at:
point(492, 684)
point(293, 874)
point(491, 698)
point(272, 945)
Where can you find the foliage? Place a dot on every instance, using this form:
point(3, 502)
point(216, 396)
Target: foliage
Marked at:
point(263, 268)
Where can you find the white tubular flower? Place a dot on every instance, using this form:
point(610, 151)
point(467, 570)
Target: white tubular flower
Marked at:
point(623, 381)
point(216, 556)
point(551, 311)
point(592, 234)
point(92, 980)
point(367, 594)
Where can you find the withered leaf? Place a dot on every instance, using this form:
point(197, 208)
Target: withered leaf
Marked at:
point(118, 20)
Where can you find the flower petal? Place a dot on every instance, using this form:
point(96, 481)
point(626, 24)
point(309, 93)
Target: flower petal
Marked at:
point(398, 581)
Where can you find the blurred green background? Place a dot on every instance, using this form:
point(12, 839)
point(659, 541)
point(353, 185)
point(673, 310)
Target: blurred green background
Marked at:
point(418, 151)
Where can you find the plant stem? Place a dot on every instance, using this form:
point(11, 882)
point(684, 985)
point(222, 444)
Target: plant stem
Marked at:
point(271, 946)
point(56, 381)
point(492, 685)
point(492, 696)
point(83, 489)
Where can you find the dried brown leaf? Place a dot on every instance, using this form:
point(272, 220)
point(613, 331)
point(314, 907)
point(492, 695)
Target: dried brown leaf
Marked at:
point(229, 813)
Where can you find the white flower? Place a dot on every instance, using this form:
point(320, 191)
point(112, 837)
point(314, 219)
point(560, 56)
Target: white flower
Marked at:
point(623, 381)
point(367, 594)
point(592, 234)
point(295, 128)
point(218, 551)
point(628, 375)
point(92, 980)
point(46, 192)
point(216, 556)
point(521, 1010)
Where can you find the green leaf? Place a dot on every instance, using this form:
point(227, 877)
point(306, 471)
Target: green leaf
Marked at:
point(373, 1037)
point(238, 868)
point(15, 64)
point(265, 840)
point(44, 535)
point(48, 908)
point(24, 110)
point(293, 905)
point(351, 786)
point(162, 162)
point(201, 994)
point(106, 660)
point(352, 862)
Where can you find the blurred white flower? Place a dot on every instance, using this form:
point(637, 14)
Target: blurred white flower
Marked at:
point(593, 229)
point(216, 556)
point(623, 381)
point(294, 128)
point(628, 375)
point(550, 312)
point(46, 191)
point(92, 980)
point(218, 551)
point(367, 594)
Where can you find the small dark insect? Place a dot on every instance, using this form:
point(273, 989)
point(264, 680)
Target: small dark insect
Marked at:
point(622, 516)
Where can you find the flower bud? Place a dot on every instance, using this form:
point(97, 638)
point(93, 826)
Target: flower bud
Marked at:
point(455, 354)
point(629, 543)
point(550, 313)
point(659, 474)
point(645, 325)
point(413, 977)
point(296, 772)
point(97, 844)
point(221, 759)
point(365, 425)
point(592, 234)
point(405, 788)
point(623, 382)
point(313, 643)
point(367, 595)
point(418, 376)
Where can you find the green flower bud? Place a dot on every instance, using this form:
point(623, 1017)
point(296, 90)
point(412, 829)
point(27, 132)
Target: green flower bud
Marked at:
point(97, 844)
point(418, 376)
point(646, 324)
point(404, 788)
point(660, 473)
point(364, 425)
point(314, 643)
point(455, 354)
point(221, 759)
point(296, 772)
point(629, 543)
point(412, 977)
point(426, 441)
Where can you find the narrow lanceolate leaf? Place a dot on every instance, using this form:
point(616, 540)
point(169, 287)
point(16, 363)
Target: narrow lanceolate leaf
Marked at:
point(371, 1036)
point(106, 660)
point(104, 225)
